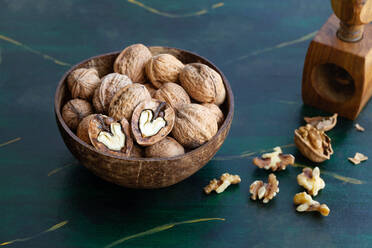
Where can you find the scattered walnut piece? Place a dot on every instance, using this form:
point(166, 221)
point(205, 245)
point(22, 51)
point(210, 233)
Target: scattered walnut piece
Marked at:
point(322, 123)
point(311, 181)
point(307, 204)
point(359, 127)
point(275, 160)
point(267, 191)
point(220, 185)
point(358, 157)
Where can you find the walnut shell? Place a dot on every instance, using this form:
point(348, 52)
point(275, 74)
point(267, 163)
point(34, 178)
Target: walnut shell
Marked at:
point(74, 111)
point(137, 151)
point(132, 61)
point(194, 125)
point(203, 83)
point(173, 94)
point(150, 88)
point(322, 123)
point(99, 123)
point(216, 111)
point(159, 109)
point(126, 100)
point(82, 82)
point(82, 130)
point(163, 68)
point(313, 143)
point(167, 147)
point(111, 84)
point(96, 102)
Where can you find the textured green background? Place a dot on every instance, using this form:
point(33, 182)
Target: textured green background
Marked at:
point(259, 45)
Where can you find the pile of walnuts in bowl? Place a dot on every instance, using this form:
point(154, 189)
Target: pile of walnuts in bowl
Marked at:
point(150, 106)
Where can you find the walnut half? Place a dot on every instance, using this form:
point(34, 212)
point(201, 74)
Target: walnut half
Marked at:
point(219, 186)
point(275, 160)
point(267, 191)
point(307, 204)
point(311, 181)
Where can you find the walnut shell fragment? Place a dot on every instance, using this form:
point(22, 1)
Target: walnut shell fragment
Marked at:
point(313, 144)
point(307, 204)
point(82, 130)
point(163, 68)
point(82, 83)
point(220, 185)
point(216, 111)
point(358, 158)
point(173, 94)
point(152, 121)
point(167, 147)
point(203, 83)
point(266, 191)
point(194, 125)
point(126, 100)
point(275, 160)
point(74, 111)
point(322, 123)
point(110, 136)
point(132, 61)
point(311, 181)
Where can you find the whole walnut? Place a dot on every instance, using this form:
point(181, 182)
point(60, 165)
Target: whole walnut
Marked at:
point(132, 61)
point(82, 83)
point(216, 111)
point(203, 83)
point(173, 94)
point(194, 125)
point(165, 148)
point(74, 111)
point(82, 130)
point(163, 68)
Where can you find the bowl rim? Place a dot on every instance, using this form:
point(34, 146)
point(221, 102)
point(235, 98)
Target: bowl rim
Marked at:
point(228, 118)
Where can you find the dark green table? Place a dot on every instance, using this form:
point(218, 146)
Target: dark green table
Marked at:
point(48, 200)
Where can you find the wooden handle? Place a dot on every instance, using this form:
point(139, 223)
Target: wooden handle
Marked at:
point(353, 15)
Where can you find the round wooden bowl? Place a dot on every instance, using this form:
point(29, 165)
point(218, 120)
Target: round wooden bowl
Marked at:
point(141, 172)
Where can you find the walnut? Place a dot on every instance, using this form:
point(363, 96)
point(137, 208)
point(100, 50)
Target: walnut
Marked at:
point(203, 83)
point(307, 204)
point(167, 147)
point(322, 123)
point(126, 100)
point(82, 83)
point(220, 185)
point(358, 157)
point(311, 181)
point(194, 125)
point(74, 111)
point(359, 127)
point(96, 102)
point(132, 61)
point(265, 191)
point(152, 121)
point(275, 160)
point(150, 88)
point(163, 68)
point(216, 111)
point(82, 130)
point(313, 143)
point(173, 94)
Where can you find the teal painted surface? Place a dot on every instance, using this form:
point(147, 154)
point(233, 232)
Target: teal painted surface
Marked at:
point(240, 37)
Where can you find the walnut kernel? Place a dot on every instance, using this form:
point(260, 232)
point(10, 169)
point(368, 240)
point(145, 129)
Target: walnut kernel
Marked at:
point(220, 185)
point(307, 204)
point(311, 181)
point(275, 160)
point(265, 191)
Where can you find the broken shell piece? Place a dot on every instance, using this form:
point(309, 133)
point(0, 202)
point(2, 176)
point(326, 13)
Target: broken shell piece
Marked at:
point(313, 143)
point(311, 181)
point(275, 160)
point(265, 191)
point(152, 121)
point(358, 158)
point(322, 123)
point(359, 127)
point(219, 186)
point(110, 136)
point(307, 204)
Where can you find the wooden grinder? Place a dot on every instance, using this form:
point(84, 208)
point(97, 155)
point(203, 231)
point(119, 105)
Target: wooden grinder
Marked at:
point(337, 74)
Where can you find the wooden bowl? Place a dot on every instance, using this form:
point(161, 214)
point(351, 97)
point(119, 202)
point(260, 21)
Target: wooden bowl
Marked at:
point(141, 172)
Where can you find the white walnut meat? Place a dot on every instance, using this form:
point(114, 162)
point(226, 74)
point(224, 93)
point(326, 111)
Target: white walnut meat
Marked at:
point(82, 83)
point(216, 111)
point(132, 61)
point(173, 94)
point(307, 204)
point(126, 100)
point(313, 143)
point(82, 130)
point(194, 125)
point(165, 148)
point(163, 68)
point(322, 123)
point(74, 111)
point(203, 84)
point(311, 181)
point(152, 121)
point(220, 185)
point(275, 160)
point(111, 136)
point(266, 191)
